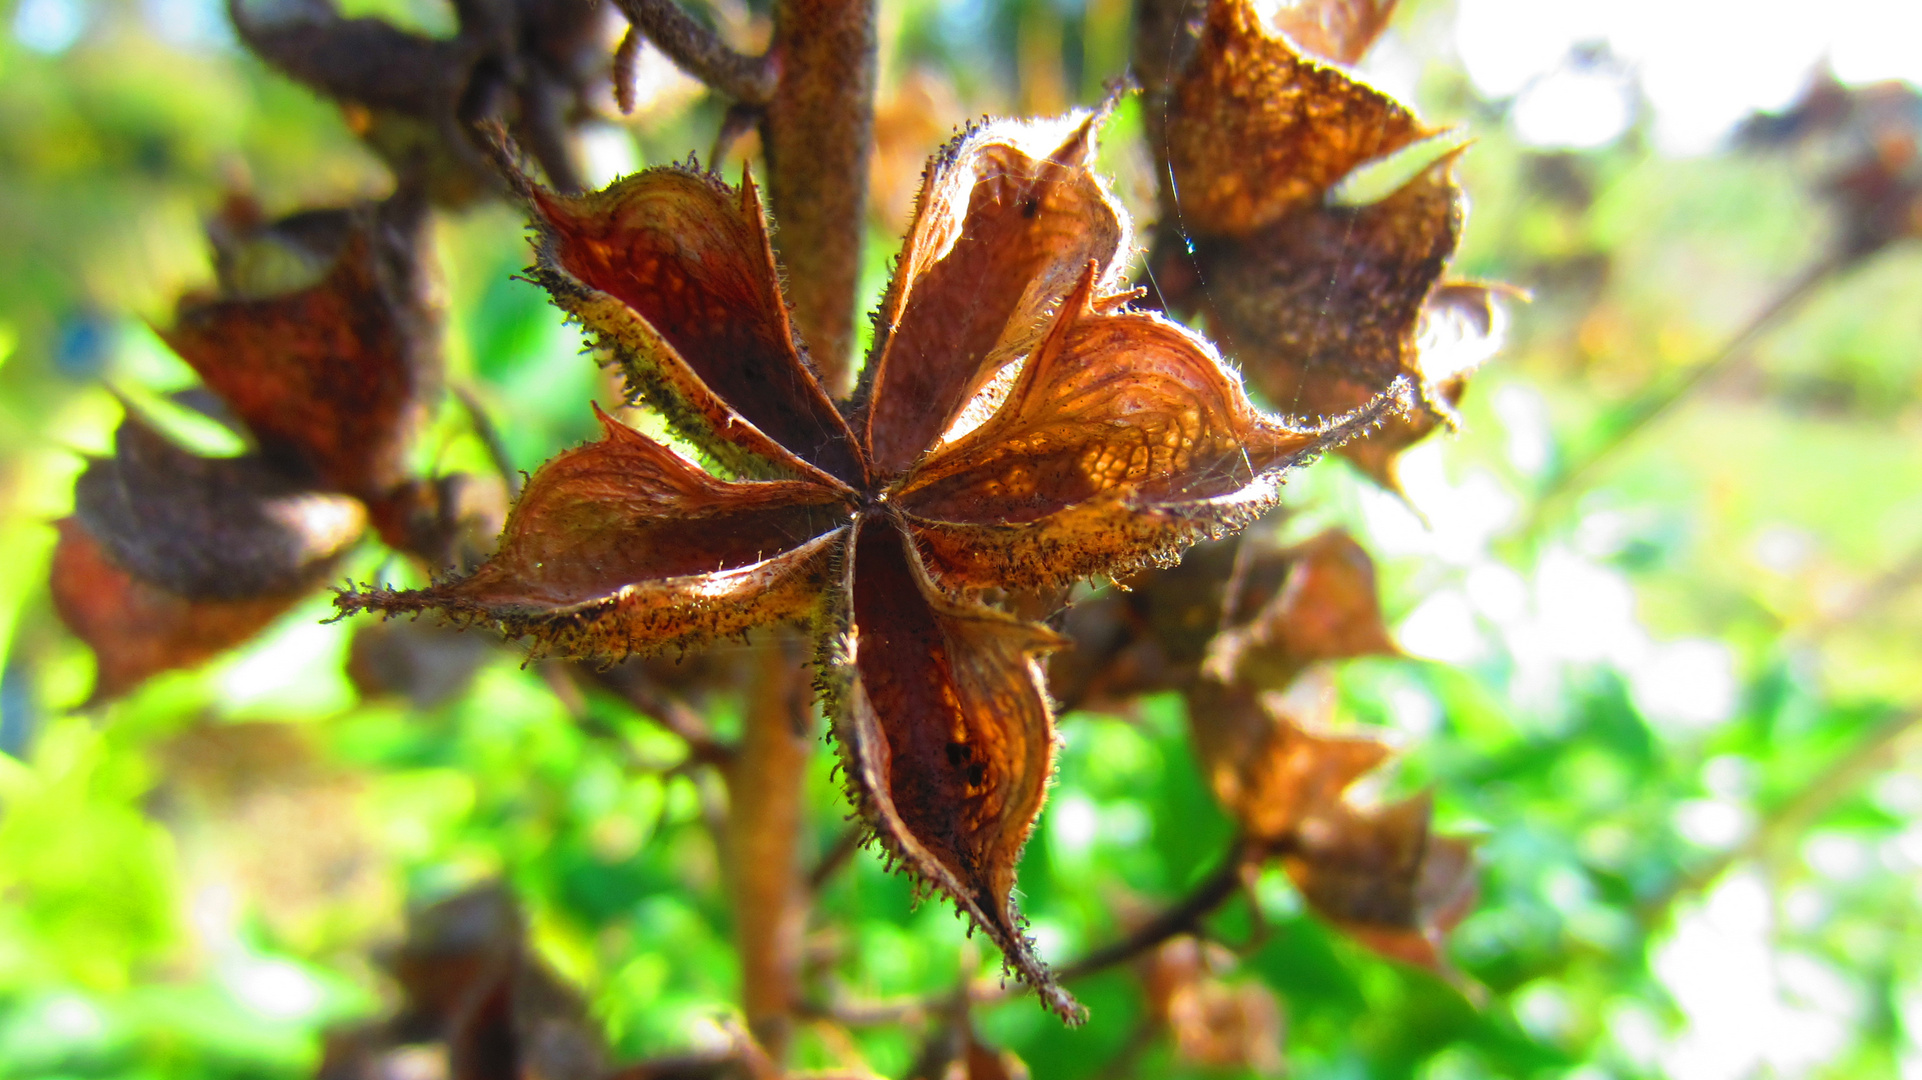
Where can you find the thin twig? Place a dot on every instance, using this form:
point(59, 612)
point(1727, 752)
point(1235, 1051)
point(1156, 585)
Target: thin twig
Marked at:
point(1210, 893)
point(701, 53)
point(1654, 406)
point(1183, 918)
point(740, 119)
point(836, 856)
point(490, 437)
point(665, 709)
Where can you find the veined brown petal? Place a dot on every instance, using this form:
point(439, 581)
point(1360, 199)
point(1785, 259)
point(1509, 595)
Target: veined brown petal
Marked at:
point(1122, 441)
point(332, 378)
point(1326, 306)
point(138, 629)
point(1269, 772)
point(949, 738)
point(1256, 131)
point(1340, 30)
point(1008, 219)
point(621, 546)
point(1384, 878)
point(690, 258)
point(1327, 609)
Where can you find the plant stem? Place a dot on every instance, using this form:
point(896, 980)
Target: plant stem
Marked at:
point(1210, 893)
point(818, 133)
point(764, 781)
point(701, 53)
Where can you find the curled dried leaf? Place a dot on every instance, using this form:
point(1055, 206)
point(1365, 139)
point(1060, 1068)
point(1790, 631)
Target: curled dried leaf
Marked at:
point(1122, 441)
point(138, 630)
point(674, 273)
point(171, 558)
point(1340, 30)
point(210, 528)
point(1270, 772)
point(1255, 131)
point(1213, 1022)
point(332, 378)
point(1324, 302)
point(1326, 609)
point(1324, 309)
point(530, 65)
point(1385, 879)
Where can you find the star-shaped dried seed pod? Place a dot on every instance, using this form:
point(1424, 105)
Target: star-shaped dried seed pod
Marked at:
point(1324, 302)
point(1017, 428)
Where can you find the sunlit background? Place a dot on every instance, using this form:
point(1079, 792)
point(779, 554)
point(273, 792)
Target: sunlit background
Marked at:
point(1668, 672)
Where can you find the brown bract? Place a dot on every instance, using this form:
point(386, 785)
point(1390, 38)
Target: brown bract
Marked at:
point(1326, 609)
point(170, 558)
point(1233, 624)
point(319, 347)
point(1322, 303)
point(1017, 428)
point(1213, 1023)
point(333, 377)
point(1377, 872)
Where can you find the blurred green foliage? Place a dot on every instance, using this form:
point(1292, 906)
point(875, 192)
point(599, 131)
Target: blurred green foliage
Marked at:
point(1673, 705)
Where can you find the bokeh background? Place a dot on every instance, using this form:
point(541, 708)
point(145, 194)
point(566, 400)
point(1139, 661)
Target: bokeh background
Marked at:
point(1664, 633)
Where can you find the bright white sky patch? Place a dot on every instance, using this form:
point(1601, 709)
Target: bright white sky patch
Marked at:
point(49, 26)
point(1702, 65)
point(1751, 1009)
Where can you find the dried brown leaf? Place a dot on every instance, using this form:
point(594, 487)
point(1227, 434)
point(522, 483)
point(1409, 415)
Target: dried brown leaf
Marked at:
point(334, 378)
point(210, 528)
point(532, 66)
point(1339, 30)
point(171, 558)
point(1324, 308)
point(1214, 1023)
point(1325, 305)
point(1271, 773)
point(1327, 609)
point(1256, 131)
point(138, 630)
point(1384, 878)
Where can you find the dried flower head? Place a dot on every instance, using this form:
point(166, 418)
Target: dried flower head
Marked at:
point(1017, 427)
